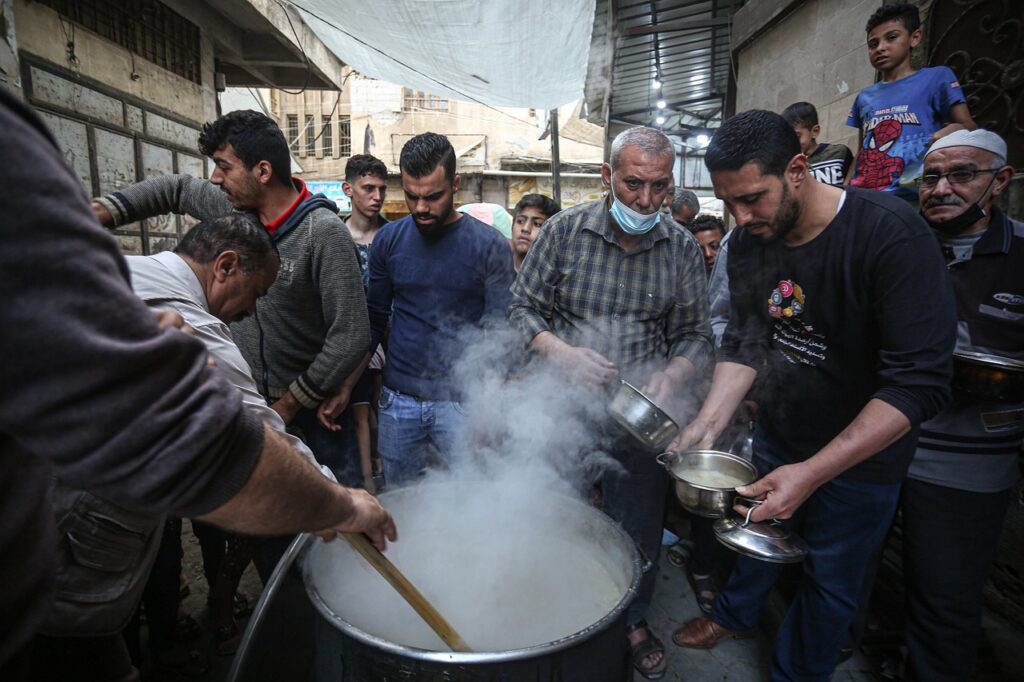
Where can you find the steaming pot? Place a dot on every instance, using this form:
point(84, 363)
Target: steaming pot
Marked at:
point(374, 650)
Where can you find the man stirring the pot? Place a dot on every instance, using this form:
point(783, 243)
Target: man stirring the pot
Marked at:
point(613, 288)
point(841, 299)
point(959, 483)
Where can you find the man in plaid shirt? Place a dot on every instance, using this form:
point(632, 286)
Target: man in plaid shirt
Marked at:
point(613, 289)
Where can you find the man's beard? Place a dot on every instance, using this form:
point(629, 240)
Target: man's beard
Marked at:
point(434, 229)
point(785, 218)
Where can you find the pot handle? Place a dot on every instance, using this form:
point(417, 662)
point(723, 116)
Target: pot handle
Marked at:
point(645, 561)
point(665, 459)
point(751, 506)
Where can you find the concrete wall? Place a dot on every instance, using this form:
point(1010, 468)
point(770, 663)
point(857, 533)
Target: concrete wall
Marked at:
point(114, 128)
point(815, 53)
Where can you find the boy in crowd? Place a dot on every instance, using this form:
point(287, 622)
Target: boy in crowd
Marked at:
point(900, 116)
point(709, 231)
point(532, 211)
point(830, 163)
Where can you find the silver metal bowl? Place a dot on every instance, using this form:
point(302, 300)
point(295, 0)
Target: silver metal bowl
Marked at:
point(691, 471)
point(644, 420)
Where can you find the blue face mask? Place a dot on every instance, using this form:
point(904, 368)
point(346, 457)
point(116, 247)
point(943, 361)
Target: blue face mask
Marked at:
point(632, 222)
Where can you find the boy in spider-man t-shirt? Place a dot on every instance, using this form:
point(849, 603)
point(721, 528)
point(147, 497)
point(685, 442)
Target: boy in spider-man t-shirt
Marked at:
point(901, 115)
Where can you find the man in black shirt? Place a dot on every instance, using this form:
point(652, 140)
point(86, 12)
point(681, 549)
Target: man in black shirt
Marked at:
point(842, 300)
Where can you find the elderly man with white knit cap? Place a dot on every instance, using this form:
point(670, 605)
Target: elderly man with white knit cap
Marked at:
point(966, 464)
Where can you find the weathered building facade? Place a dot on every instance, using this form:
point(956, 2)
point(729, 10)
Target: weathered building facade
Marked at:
point(500, 155)
point(126, 85)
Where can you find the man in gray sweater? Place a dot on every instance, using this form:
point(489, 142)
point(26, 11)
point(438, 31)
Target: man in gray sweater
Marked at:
point(311, 329)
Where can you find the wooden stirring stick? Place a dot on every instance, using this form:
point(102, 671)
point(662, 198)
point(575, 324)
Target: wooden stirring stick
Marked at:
point(408, 591)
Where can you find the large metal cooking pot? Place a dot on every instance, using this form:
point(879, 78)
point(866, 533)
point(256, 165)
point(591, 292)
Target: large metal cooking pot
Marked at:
point(988, 377)
point(594, 651)
point(695, 473)
point(644, 420)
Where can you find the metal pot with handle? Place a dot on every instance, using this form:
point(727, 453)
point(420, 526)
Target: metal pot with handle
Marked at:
point(706, 482)
point(644, 420)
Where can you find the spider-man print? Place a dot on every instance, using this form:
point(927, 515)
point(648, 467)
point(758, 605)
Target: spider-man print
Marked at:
point(875, 168)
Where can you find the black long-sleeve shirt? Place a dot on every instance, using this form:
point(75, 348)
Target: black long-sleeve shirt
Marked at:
point(864, 310)
point(93, 392)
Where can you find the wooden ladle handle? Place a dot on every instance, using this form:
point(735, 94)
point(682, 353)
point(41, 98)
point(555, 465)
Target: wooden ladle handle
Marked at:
point(408, 591)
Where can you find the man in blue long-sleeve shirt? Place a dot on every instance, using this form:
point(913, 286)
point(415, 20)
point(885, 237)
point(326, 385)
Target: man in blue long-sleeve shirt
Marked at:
point(435, 273)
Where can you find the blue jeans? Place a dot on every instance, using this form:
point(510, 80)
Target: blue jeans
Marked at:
point(409, 428)
point(843, 523)
point(336, 450)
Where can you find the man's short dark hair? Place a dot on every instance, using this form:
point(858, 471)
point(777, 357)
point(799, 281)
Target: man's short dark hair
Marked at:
point(254, 137)
point(425, 152)
point(365, 164)
point(545, 205)
point(754, 136)
point(705, 222)
point(236, 232)
point(685, 197)
point(905, 14)
point(801, 114)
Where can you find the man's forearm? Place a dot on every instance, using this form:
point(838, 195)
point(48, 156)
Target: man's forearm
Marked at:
point(731, 382)
point(284, 494)
point(547, 344)
point(876, 427)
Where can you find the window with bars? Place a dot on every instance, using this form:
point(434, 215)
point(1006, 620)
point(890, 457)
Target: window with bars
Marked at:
point(418, 100)
point(327, 138)
point(146, 28)
point(310, 137)
point(344, 136)
point(293, 132)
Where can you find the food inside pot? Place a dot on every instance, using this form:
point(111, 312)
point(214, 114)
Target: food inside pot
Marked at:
point(712, 479)
point(507, 569)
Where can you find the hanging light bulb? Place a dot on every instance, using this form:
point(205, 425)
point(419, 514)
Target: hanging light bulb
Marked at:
point(656, 84)
point(703, 140)
point(660, 120)
point(661, 103)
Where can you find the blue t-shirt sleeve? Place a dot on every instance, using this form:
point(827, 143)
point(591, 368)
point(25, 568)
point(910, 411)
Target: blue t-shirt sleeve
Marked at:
point(947, 90)
point(853, 119)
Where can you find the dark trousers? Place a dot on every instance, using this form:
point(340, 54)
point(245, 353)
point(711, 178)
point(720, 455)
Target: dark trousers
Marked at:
point(161, 596)
point(949, 539)
point(842, 522)
point(636, 499)
point(337, 450)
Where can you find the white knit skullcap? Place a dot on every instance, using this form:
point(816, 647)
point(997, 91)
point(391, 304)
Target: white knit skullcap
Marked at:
point(980, 139)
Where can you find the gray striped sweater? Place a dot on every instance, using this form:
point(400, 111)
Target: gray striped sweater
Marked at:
point(311, 329)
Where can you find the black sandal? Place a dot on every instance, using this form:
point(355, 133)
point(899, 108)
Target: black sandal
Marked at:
point(641, 650)
point(703, 586)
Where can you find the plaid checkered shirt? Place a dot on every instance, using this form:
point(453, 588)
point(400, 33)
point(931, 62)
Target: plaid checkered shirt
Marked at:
point(639, 308)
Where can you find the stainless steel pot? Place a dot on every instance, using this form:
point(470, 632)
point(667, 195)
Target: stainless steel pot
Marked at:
point(644, 420)
point(596, 651)
point(988, 377)
point(694, 469)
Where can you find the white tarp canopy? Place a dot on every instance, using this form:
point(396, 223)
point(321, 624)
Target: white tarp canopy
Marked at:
point(515, 53)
